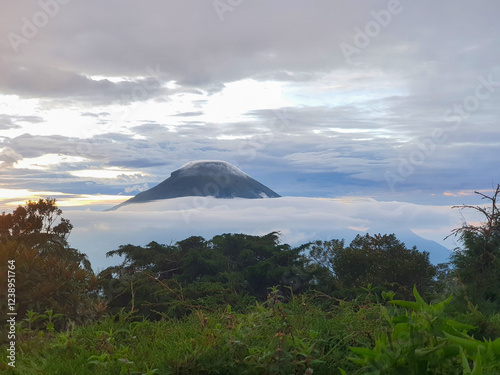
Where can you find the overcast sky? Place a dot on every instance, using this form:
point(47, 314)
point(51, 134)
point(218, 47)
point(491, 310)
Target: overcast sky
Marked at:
point(387, 100)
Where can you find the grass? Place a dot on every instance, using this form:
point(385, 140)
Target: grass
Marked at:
point(309, 334)
point(272, 338)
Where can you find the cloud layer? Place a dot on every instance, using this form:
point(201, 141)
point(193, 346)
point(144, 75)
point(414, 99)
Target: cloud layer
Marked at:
point(392, 100)
point(298, 219)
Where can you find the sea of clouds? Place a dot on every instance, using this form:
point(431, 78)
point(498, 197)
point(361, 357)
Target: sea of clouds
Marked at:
point(299, 220)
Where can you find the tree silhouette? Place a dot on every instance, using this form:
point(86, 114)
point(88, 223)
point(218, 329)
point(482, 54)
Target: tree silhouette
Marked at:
point(379, 260)
point(477, 264)
point(50, 274)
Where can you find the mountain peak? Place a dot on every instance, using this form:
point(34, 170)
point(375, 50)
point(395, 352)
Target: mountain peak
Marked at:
point(208, 167)
point(214, 178)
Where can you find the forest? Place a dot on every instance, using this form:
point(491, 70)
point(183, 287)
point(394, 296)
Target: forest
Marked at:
point(246, 304)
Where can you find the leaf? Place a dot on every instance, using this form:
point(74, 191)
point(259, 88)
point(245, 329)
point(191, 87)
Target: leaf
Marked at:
point(409, 305)
point(419, 353)
point(478, 366)
point(342, 372)
point(465, 362)
point(439, 307)
point(469, 344)
point(451, 351)
point(358, 361)
point(385, 314)
point(459, 326)
point(401, 319)
point(419, 299)
point(365, 352)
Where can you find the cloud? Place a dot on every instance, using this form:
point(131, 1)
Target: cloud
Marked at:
point(95, 115)
point(12, 121)
point(203, 51)
point(298, 219)
point(8, 157)
point(138, 188)
point(66, 86)
point(190, 114)
point(144, 93)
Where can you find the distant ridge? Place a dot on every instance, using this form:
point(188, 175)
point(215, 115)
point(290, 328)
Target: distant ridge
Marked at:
point(215, 178)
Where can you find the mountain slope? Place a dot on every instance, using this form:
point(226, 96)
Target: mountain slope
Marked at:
point(205, 178)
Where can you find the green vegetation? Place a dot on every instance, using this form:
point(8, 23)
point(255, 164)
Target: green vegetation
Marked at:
point(241, 304)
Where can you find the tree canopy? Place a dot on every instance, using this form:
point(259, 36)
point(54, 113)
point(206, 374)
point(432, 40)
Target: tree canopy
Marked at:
point(477, 263)
point(231, 266)
point(52, 275)
point(42, 217)
point(379, 260)
point(40, 225)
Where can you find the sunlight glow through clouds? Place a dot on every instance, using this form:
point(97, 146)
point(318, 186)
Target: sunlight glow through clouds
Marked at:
point(229, 105)
point(111, 78)
point(19, 197)
point(94, 199)
point(463, 193)
point(10, 104)
point(241, 97)
point(106, 173)
point(25, 194)
point(46, 161)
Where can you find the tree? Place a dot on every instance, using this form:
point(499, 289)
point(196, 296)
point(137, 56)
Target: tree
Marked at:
point(379, 260)
point(477, 263)
point(49, 273)
point(228, 269)
point(45, 281)
point(42, 217)
point(39, 225)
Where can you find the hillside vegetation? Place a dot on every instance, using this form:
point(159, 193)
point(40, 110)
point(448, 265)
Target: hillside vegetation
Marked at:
point(242, 304)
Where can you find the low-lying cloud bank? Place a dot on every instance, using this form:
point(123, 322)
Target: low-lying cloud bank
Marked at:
point(298, 219)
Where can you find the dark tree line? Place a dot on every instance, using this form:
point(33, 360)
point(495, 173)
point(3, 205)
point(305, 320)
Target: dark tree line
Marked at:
point(159, 280)
point(227, 269)
point(231, 267)
point(378, 260)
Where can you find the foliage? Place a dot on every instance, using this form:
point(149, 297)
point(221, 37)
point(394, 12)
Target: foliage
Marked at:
point(236, 268)
point(379, 260)
point(49, 274)
point(251, 305)
point(278, 336)
point(477, 264)
point(38, 225)
point(421, 339)
point(297, 335)
point(48, 282)
point(175, 279)
point(34, 218)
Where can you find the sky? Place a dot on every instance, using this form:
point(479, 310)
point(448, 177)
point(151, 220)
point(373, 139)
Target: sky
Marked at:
point(387, 100)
